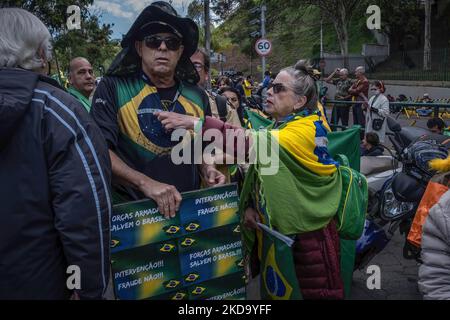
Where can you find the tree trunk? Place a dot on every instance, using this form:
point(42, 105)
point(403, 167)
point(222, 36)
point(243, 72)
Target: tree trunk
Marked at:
point(427, 47)
point(207, 36)
point(341, 26)
point(342, 34)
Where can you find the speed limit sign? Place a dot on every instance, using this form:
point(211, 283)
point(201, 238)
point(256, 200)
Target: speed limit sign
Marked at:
point(263, 47)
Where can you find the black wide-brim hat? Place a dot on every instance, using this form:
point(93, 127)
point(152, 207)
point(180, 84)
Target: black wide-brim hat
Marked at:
point(158, 16)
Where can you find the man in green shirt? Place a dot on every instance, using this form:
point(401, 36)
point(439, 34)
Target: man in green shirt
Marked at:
point(82, 81)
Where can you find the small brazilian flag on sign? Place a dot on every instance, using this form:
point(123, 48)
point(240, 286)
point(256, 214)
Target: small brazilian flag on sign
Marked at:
point(172, 284)
point(114, 243)
point(187, 242)
point(179, 296)
point(192, 277)
point(198, 290)
point(167, 248)
point(192, 227)
point(172, 230)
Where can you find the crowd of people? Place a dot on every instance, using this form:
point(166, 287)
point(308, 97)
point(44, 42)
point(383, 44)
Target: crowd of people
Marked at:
point(83, 149)
point(68, 155)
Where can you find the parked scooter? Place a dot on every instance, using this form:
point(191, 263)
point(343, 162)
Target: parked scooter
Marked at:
point(394, 201)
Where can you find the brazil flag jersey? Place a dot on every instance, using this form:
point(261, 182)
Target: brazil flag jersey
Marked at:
point(124, 110)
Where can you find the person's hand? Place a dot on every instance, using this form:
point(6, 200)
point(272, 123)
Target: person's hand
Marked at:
point(251, 218)
point(173, 120)
point(166, 197)
point(212, 176)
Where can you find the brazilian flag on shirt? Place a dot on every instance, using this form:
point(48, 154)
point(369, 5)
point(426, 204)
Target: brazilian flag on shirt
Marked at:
point(138, 100)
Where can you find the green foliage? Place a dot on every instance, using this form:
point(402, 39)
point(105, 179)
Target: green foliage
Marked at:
point(93, 41)
point(400, 18)
point(53, 12)
point(195, 12)
point(221, 8)
point(294, 29)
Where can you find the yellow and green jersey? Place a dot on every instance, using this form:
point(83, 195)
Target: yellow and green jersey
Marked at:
point(124, 110)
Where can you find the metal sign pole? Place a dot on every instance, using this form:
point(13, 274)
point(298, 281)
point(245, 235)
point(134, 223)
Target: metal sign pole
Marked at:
point(263, 35)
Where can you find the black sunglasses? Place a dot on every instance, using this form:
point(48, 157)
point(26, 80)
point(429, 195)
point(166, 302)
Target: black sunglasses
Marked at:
point(277, 87)
point(198, 66)
point(154, 42)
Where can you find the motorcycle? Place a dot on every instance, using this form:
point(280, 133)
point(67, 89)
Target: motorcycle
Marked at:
point(393, 201)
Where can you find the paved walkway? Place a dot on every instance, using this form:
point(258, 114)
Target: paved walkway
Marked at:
point(398, 276)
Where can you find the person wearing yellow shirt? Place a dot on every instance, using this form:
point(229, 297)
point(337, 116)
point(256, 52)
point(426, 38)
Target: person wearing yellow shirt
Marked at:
point(248, 87)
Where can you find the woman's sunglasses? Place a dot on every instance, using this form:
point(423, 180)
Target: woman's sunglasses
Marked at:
point(277, 87)
point(154, 42)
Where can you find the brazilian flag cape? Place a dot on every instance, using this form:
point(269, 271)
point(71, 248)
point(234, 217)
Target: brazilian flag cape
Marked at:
point(346, 143)
point(296, 200)
point(254, 120)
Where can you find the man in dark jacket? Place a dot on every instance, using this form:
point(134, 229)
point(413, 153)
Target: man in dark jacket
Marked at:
point(54, 173)
point(370, 146)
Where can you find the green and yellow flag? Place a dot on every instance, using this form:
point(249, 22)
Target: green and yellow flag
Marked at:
point(289, 200)
point(254, 120)
point(293, 190)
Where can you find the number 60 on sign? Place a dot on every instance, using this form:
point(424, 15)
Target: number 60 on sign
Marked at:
point(263, 47)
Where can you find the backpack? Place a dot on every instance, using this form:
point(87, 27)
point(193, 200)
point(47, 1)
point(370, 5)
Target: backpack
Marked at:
point(351, 215)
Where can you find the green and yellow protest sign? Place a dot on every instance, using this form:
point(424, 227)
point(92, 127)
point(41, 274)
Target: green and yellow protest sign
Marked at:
point(196, 255)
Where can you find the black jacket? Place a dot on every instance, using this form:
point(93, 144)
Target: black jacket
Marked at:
point(374, 152)
point(54, 191)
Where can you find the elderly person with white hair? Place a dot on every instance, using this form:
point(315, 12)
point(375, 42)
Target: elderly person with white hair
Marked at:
point(55, 174)
point(359, 92)
point(343, 84)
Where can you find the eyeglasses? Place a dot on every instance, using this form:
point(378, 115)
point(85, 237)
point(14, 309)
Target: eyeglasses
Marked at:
point(154, 42)
point(198, 66)
point(277, 87)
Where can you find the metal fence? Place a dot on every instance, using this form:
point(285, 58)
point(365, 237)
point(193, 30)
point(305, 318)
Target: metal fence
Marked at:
point(409, 109)
point(405, 65)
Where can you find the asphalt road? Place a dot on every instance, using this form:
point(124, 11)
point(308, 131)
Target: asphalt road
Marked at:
point(398, 276)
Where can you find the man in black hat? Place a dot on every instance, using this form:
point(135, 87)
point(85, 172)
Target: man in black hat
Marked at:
point(152, 73)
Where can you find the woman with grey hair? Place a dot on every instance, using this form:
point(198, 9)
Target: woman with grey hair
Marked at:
point(303, 196)
point(26, 44)
point(55, 174)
